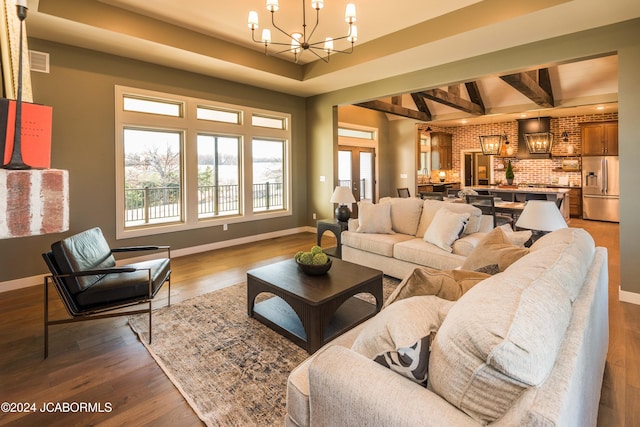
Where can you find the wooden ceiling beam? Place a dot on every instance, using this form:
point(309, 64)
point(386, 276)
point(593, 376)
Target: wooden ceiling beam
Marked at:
point(538, 90)
point(397, 110)
point(421, 104)
point(453, 101)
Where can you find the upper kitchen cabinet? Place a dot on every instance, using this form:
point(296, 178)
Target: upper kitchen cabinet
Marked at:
point(441, 151)
point(599, 138)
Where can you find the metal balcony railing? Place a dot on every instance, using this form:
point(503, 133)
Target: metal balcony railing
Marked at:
point(162, 204)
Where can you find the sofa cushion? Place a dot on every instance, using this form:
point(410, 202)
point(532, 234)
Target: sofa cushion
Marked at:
point(430, 207)
point(445, 228)
point(374, 218)
point(417, 251)
point(482, 358)
point(84, 251)
point(446, 284)
point(494, 248)
point(466, 244)
point(574, 247)
point(518, 238)
point(382, 244)
point(398, 337)
point(405, 213)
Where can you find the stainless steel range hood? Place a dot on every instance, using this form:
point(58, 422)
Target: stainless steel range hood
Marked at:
point(542, 124)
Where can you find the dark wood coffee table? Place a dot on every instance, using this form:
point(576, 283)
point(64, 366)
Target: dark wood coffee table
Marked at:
point(313, 310)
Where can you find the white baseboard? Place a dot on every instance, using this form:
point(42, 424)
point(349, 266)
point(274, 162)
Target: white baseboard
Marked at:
point(630, 297)
point(26, 282)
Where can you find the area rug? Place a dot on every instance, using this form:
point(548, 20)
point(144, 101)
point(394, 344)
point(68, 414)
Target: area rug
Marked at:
point(230, 368)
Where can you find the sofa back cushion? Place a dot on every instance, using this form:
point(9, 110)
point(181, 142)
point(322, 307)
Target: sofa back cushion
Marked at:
point(374, 218)
point(504, 334)
point(405, 214)
point(430, 207)
point(83, 251)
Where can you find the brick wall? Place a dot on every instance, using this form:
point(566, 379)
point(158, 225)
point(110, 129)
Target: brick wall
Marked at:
point(33, 202)
point(545, 171)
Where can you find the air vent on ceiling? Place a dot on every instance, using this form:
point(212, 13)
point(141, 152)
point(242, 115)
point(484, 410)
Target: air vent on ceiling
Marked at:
point(39, 61)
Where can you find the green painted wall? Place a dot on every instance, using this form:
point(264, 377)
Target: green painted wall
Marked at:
point(621, 38)
point(80, 88)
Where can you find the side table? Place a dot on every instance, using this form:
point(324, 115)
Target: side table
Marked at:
point(336, 227)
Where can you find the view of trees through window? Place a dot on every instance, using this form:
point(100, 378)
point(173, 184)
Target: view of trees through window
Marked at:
point(186, 163)
point(152, 175)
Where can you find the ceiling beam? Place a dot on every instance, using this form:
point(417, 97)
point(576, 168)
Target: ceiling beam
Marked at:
point(539, 91)
point(397, 110)
point(474, 94)
point(421, 104)
point(453, 101)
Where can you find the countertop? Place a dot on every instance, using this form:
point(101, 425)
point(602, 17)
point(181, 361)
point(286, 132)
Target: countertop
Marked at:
point(537, 190)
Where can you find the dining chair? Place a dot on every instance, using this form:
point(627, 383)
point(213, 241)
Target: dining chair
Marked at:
point(487, 205)
point(403, 192)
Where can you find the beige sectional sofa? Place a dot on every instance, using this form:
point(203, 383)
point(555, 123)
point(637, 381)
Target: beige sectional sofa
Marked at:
point(523, 347)
point(392, 238)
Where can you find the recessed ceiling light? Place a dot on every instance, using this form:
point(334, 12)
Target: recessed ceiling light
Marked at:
point(464, 121)
point(600, 107)
point(523, 115)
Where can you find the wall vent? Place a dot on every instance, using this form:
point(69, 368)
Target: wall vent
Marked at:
point(39, 61)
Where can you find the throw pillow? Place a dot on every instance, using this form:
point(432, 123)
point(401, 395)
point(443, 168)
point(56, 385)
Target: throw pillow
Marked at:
point(399, 336)
point(445, 228)
point(431, 207)
point(518, 238)
point(374, 218)
point(445, 284)
point(405, 213)
point(494, 248)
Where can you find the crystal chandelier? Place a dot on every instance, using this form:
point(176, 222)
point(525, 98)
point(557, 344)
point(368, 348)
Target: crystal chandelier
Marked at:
point(297, 42)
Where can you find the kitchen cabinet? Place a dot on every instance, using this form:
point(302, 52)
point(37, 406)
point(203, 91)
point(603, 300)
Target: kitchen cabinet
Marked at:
point(441, 151)
point(437, 187)
point(599, 138)
point(575, 202)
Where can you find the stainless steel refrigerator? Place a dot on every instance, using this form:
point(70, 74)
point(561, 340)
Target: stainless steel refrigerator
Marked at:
point(601, 188)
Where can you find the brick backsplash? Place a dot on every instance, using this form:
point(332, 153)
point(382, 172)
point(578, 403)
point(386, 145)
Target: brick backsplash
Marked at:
point(539, 171)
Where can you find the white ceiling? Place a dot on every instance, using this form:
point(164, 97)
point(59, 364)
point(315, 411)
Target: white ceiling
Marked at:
point(212, 38)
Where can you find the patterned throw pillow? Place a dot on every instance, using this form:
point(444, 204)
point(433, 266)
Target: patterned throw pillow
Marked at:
point(412, 361)
point(494, 248)
point(400, 335)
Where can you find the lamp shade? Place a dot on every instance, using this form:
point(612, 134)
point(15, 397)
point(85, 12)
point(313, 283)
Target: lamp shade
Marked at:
point(541, 215)
point(342, 196)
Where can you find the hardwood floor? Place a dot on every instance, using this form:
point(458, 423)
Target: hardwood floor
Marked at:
point(102, 362)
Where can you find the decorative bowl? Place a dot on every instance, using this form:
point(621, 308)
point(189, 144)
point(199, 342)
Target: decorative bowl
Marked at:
point(313, 269)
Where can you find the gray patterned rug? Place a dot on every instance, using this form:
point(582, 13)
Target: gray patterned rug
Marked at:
point(230, 368)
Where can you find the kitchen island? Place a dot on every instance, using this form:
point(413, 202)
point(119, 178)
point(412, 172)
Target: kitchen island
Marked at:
point(521, 194)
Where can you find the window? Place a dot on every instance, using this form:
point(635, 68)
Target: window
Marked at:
point(181, 163)
point(268, 174)
point(152, 176)
point(218, 175)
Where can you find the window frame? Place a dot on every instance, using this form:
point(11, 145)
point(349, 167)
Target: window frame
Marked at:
point(191, 126)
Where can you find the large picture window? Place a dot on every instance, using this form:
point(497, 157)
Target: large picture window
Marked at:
point(181, 163)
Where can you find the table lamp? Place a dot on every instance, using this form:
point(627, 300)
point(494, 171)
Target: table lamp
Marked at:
point(343, 197)
point(541, 217)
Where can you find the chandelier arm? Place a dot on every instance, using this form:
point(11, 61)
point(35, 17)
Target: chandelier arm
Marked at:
point(336, 39)
point(273, 22)
point(347, 51)
point(316, 54)
point(306, 39)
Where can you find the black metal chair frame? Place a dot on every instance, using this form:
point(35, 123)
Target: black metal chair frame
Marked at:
point(487, 205)
point(103, 311)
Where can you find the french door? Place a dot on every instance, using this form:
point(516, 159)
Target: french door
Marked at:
point(356, 170)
